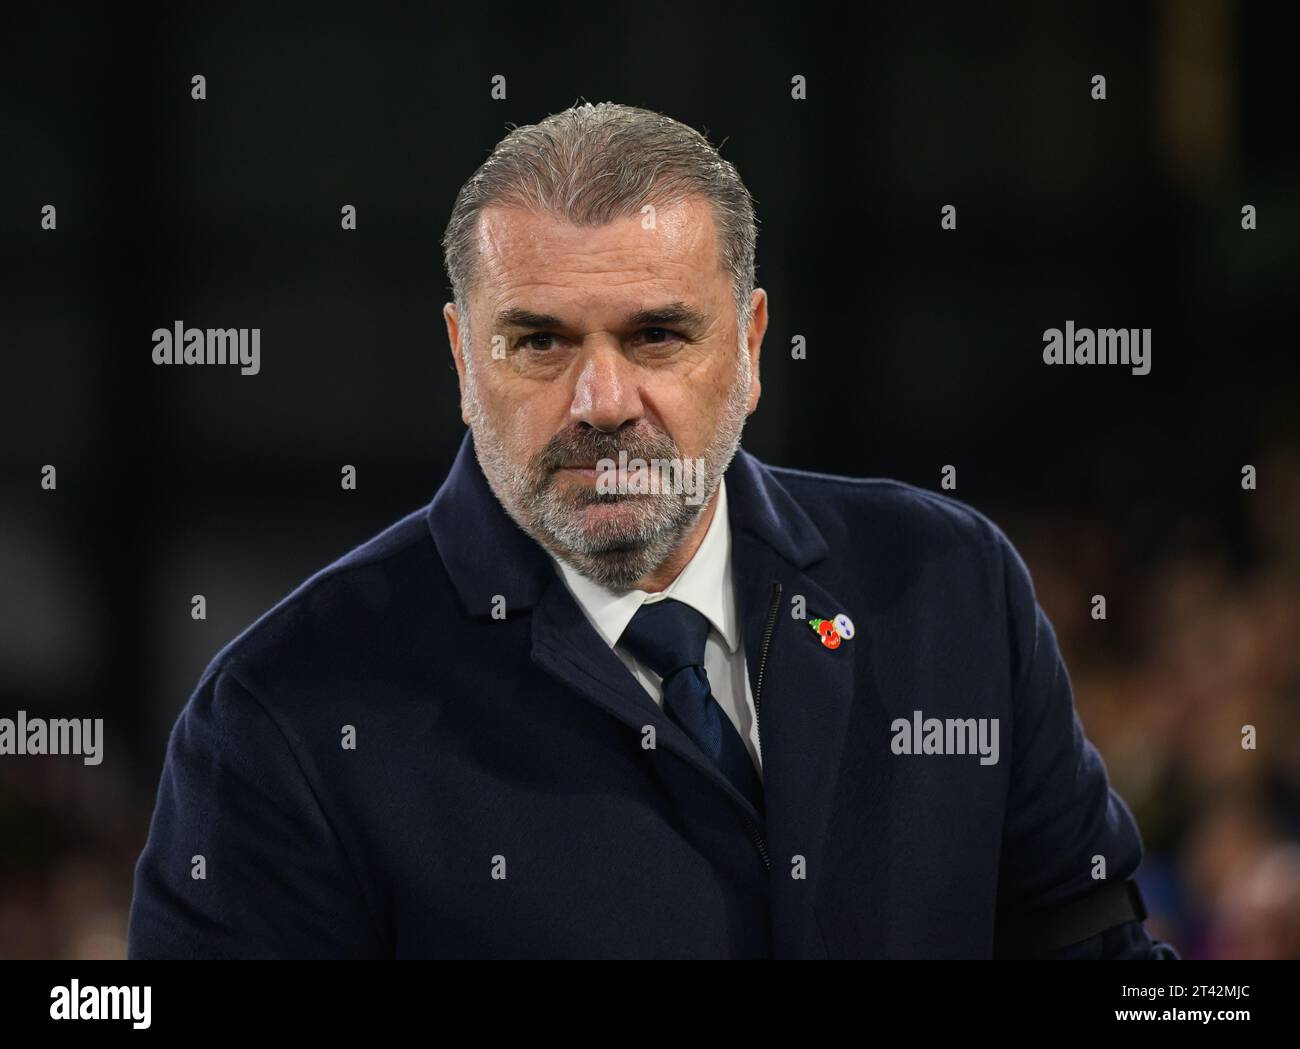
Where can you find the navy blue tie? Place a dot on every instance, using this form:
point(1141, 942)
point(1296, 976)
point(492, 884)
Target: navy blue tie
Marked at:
point(668, 637)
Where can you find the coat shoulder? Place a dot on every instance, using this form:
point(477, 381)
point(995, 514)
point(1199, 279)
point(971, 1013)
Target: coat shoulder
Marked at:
point(357, 605)
point(893, 513)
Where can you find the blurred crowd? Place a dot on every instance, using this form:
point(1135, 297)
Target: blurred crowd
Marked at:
point(1191, 691)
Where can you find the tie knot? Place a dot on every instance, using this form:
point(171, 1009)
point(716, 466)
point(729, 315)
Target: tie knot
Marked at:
point(667, 635)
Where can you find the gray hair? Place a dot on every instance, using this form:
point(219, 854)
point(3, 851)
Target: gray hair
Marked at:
point(592, 164)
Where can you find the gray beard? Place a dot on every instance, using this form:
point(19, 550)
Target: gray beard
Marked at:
point(618, 552)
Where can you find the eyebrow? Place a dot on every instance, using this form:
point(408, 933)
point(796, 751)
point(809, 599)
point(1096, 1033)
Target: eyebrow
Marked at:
point(672, 313)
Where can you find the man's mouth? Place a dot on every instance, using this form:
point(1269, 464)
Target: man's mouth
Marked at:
point(607, 475)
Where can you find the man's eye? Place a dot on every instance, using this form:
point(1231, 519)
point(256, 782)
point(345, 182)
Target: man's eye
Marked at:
point(658, 336)
point(540, 340)
point(545, 341)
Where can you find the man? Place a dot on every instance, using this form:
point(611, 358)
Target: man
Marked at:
point(567, 710)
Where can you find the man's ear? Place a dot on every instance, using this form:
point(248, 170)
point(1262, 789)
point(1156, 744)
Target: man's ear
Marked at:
point(452, 317)
point(754, 342)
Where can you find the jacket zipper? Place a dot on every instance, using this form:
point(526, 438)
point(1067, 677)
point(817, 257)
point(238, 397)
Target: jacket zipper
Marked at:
point(755, 833)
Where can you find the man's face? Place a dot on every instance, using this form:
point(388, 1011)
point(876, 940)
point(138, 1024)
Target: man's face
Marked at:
point(588, 341)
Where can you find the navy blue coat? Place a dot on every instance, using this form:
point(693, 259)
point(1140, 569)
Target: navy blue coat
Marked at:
point(500, 799)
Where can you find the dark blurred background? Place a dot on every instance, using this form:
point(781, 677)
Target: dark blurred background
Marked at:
point(924, 349)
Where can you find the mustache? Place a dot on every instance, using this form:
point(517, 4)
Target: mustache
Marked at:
point(587, 447)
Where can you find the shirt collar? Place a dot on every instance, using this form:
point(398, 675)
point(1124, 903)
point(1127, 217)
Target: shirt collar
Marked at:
point(705, 584)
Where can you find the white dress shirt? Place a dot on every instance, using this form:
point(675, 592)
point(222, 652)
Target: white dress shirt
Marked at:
point(706, 585)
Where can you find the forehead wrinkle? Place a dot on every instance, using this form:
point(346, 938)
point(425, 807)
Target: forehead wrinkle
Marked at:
point(662, 288)
point(679, 221)
point(658, 273)
point(613, 259)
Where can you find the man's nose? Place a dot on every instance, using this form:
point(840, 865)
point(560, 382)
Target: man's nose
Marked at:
point(605, 393)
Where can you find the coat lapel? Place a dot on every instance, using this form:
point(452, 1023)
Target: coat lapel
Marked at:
point(807, 690)
point(567, 646)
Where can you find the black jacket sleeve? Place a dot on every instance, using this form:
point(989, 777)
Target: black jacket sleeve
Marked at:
point(235, 806)
point(1066, 832)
